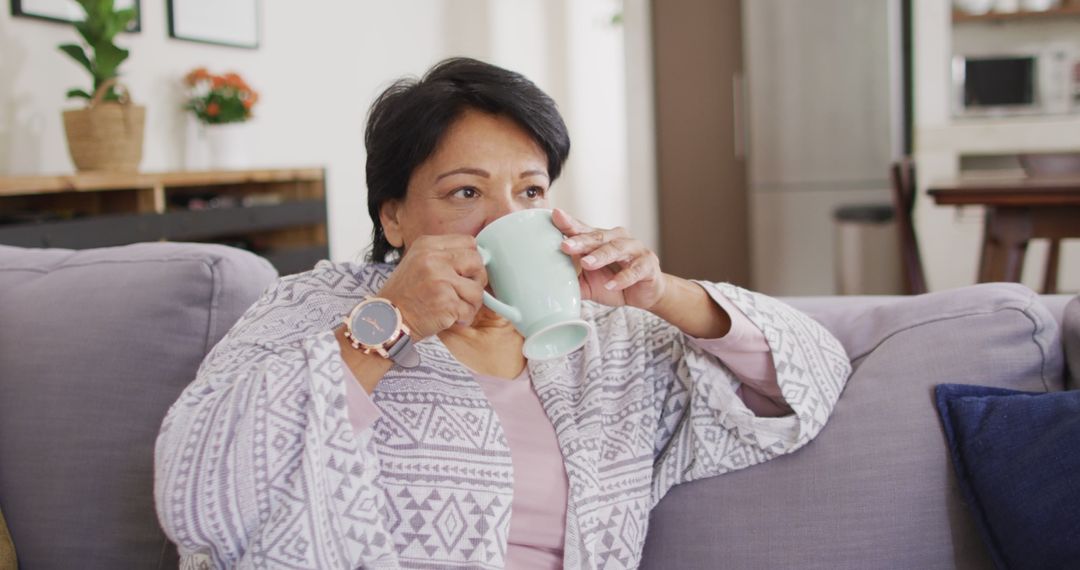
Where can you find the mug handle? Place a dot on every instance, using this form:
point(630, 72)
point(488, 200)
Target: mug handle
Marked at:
point(508, 312)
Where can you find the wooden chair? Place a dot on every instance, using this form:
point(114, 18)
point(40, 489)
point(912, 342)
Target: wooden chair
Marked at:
point(1051, 276)
point(904, 192)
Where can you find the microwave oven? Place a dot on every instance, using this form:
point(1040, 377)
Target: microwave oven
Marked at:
point(1038, 82)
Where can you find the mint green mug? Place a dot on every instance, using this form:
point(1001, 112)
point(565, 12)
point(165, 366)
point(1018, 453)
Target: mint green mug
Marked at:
point(535, 283)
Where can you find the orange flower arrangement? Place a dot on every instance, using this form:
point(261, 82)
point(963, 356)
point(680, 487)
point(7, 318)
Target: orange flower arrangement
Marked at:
point(217, 99)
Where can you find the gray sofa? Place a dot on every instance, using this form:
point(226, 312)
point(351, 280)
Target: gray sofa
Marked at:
point(95, 345)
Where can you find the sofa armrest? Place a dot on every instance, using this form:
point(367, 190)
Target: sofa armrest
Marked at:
point(875, 489)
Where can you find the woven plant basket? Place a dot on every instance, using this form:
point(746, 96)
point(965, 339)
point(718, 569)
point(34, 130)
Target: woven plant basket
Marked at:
point(106, 136)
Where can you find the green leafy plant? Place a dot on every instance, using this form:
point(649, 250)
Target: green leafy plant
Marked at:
point(100, 55)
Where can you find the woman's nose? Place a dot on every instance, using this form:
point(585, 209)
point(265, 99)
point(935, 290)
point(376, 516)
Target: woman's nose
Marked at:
point(503, 207)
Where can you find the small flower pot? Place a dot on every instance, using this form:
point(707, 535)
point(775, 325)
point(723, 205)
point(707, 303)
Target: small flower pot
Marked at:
point(217, 147)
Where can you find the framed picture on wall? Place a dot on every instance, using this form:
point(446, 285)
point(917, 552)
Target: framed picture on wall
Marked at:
point(223, 22)
point(67, 11)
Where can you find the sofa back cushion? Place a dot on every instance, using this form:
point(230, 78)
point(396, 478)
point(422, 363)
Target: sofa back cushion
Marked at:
point(95, 345)
point(875, 489)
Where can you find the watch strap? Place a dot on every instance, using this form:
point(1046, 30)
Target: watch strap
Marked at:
point(403, 353)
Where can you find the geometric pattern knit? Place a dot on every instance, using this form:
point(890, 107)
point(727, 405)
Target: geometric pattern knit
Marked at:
point(258, 466)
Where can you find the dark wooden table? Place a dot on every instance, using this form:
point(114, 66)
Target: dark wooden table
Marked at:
point(1017, 210)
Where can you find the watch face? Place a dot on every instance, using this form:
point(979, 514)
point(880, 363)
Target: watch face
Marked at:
point(375, 323)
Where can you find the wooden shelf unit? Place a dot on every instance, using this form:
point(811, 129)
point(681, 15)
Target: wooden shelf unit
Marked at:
point(1068, 9)
point(279, 214)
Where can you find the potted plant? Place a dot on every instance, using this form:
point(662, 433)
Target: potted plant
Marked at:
point(220, 107)
point(108, 133)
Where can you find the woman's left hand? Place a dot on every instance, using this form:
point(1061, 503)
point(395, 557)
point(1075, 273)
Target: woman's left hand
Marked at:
point(616, 269)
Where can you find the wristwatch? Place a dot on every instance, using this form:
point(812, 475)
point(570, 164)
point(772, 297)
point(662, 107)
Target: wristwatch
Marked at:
point(375, 326)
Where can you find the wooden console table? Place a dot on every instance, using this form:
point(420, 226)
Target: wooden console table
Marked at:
point(1017, 210)
point(279, 214)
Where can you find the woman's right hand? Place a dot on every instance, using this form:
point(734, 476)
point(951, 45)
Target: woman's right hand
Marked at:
point(439, 282)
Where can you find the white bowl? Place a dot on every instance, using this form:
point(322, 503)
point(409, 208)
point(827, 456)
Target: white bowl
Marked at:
point(975, 7)
point(1007, 6)
point(1051, 164)
point(1039, 5)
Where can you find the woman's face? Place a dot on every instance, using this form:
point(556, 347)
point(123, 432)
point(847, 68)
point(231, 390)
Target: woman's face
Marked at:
point(485, 167)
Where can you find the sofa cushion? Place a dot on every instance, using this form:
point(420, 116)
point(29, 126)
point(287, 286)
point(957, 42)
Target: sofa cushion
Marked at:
point(1015, 455)
point(875, 489)
point(95, 346)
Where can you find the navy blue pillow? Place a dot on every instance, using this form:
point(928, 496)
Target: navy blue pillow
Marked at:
point(1017, 459)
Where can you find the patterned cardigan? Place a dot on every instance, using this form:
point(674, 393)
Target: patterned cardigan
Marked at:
point(258, 465)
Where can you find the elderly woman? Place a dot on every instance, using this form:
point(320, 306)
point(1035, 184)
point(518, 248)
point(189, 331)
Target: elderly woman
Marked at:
point(379, 416)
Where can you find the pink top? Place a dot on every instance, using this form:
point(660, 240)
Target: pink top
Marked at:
point(541, 489)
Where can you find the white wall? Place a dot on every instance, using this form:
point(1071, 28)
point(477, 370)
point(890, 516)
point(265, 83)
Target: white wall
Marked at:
point(950, 238)
point(320, 65)
point(599, 73)
point(641, 121)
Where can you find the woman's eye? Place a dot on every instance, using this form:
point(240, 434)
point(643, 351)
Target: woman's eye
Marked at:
point(534, 192)
point(466, 192)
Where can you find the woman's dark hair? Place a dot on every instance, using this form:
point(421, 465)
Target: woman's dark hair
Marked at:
point(409, 119)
